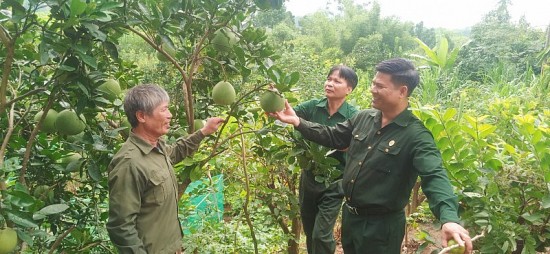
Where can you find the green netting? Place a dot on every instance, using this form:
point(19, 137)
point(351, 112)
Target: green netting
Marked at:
point(205, 203)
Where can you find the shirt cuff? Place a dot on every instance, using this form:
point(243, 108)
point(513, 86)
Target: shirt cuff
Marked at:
point(448, 215)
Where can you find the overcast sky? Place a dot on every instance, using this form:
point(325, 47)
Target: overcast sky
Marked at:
point(452, 14)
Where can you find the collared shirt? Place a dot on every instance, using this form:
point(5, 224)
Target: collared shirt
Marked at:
point(317, 111)
point(384, 163)
point(143, 195)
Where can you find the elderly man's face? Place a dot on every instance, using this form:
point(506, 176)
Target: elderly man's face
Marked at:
point(158, 122)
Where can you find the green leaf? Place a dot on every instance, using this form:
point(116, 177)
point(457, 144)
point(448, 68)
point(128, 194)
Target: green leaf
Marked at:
point(102, 16)
point(77, 7)
point(91, 61)
point(485, 130)
point(44, 55)
point(546, 201)
point(93, 172)
point(94, 30)
point(494, 164)
point(442, 50)
point(447, 154)
point(49, 210)
point(22, 199)
point(510, 149)
point(444, 142)
point(110, 5)
point(449, 114)
point(21, 219)
point(11, 164)
point(294, 78)
point(437, 129)
point(25, 237)
point(111, 49)
point(481, 222)
point(470, 131)
point(533, 218)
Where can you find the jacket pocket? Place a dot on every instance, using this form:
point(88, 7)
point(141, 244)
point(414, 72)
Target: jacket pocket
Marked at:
point(358, 146)
point(388, 156)
point(156, 195)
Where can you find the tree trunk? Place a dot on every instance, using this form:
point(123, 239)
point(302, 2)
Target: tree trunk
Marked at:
point(294, 243)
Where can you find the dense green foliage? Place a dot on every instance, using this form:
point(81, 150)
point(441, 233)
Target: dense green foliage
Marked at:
point(482, 94)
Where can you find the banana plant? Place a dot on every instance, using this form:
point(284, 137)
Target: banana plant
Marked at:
point(440, 57)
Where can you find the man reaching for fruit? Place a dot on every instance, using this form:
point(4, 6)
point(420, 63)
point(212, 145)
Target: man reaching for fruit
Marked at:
point(388, 149)
point(143, 189)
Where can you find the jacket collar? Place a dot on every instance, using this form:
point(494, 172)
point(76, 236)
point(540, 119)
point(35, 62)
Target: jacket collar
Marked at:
point(144, 146)
point(323, 103)
point(403, 119)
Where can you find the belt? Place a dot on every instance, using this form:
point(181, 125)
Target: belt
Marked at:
point(369, 210)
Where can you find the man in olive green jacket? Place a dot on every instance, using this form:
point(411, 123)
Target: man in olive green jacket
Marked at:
point(143, 189)
point(388, 149)
point(320, 204)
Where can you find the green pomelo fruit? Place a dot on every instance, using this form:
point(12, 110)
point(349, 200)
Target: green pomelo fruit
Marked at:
point(8, 240)
point(198, 124)
point(76, 138)
point(68, 123)
point(272, 102)
point(44, 193)
point(223, 93)
point(110, 89)
point(457, 250)
point(72, 162)
point(168, 49)
point(49, 122)
point(224, 39)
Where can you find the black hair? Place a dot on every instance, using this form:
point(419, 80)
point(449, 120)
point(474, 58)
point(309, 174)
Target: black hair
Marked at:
point(346, 73)
point(402, 72)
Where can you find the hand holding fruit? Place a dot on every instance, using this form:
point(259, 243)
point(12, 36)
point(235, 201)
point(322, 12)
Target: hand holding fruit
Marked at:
point(288, 115)
point(453, 233)
point(211, 125)
point(456, 250)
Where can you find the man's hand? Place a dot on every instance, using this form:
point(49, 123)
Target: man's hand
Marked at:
point(451, 230)
point(212, 125)
point(287, 115)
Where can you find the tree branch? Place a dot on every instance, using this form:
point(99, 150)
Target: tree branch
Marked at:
point(60, 238)
point(187, 104)
point(9, 43)
point(28, 148)
point(448, 248)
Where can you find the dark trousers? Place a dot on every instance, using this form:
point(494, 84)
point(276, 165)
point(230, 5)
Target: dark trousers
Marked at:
point(372, 234)
point(319, 208)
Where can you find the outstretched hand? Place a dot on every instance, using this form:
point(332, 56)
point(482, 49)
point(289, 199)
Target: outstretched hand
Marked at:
point(287, 115)
point(212, 124)
point(451, 230)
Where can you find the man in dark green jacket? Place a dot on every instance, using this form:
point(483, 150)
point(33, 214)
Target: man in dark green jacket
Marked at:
point(143, 189)
point(319, 203)
point(388, 149)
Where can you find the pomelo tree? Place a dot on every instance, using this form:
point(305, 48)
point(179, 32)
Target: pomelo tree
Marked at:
point(59, 55)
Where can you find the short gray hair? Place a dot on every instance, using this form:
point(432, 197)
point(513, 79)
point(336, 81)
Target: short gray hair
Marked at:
point(144, 98)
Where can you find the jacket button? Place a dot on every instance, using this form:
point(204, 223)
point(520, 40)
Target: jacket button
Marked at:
point(360, 163)
point(352, 181)
point(378, 132)
point(370, 147)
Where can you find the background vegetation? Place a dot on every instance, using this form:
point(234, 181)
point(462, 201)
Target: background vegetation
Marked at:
point(483, 95)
